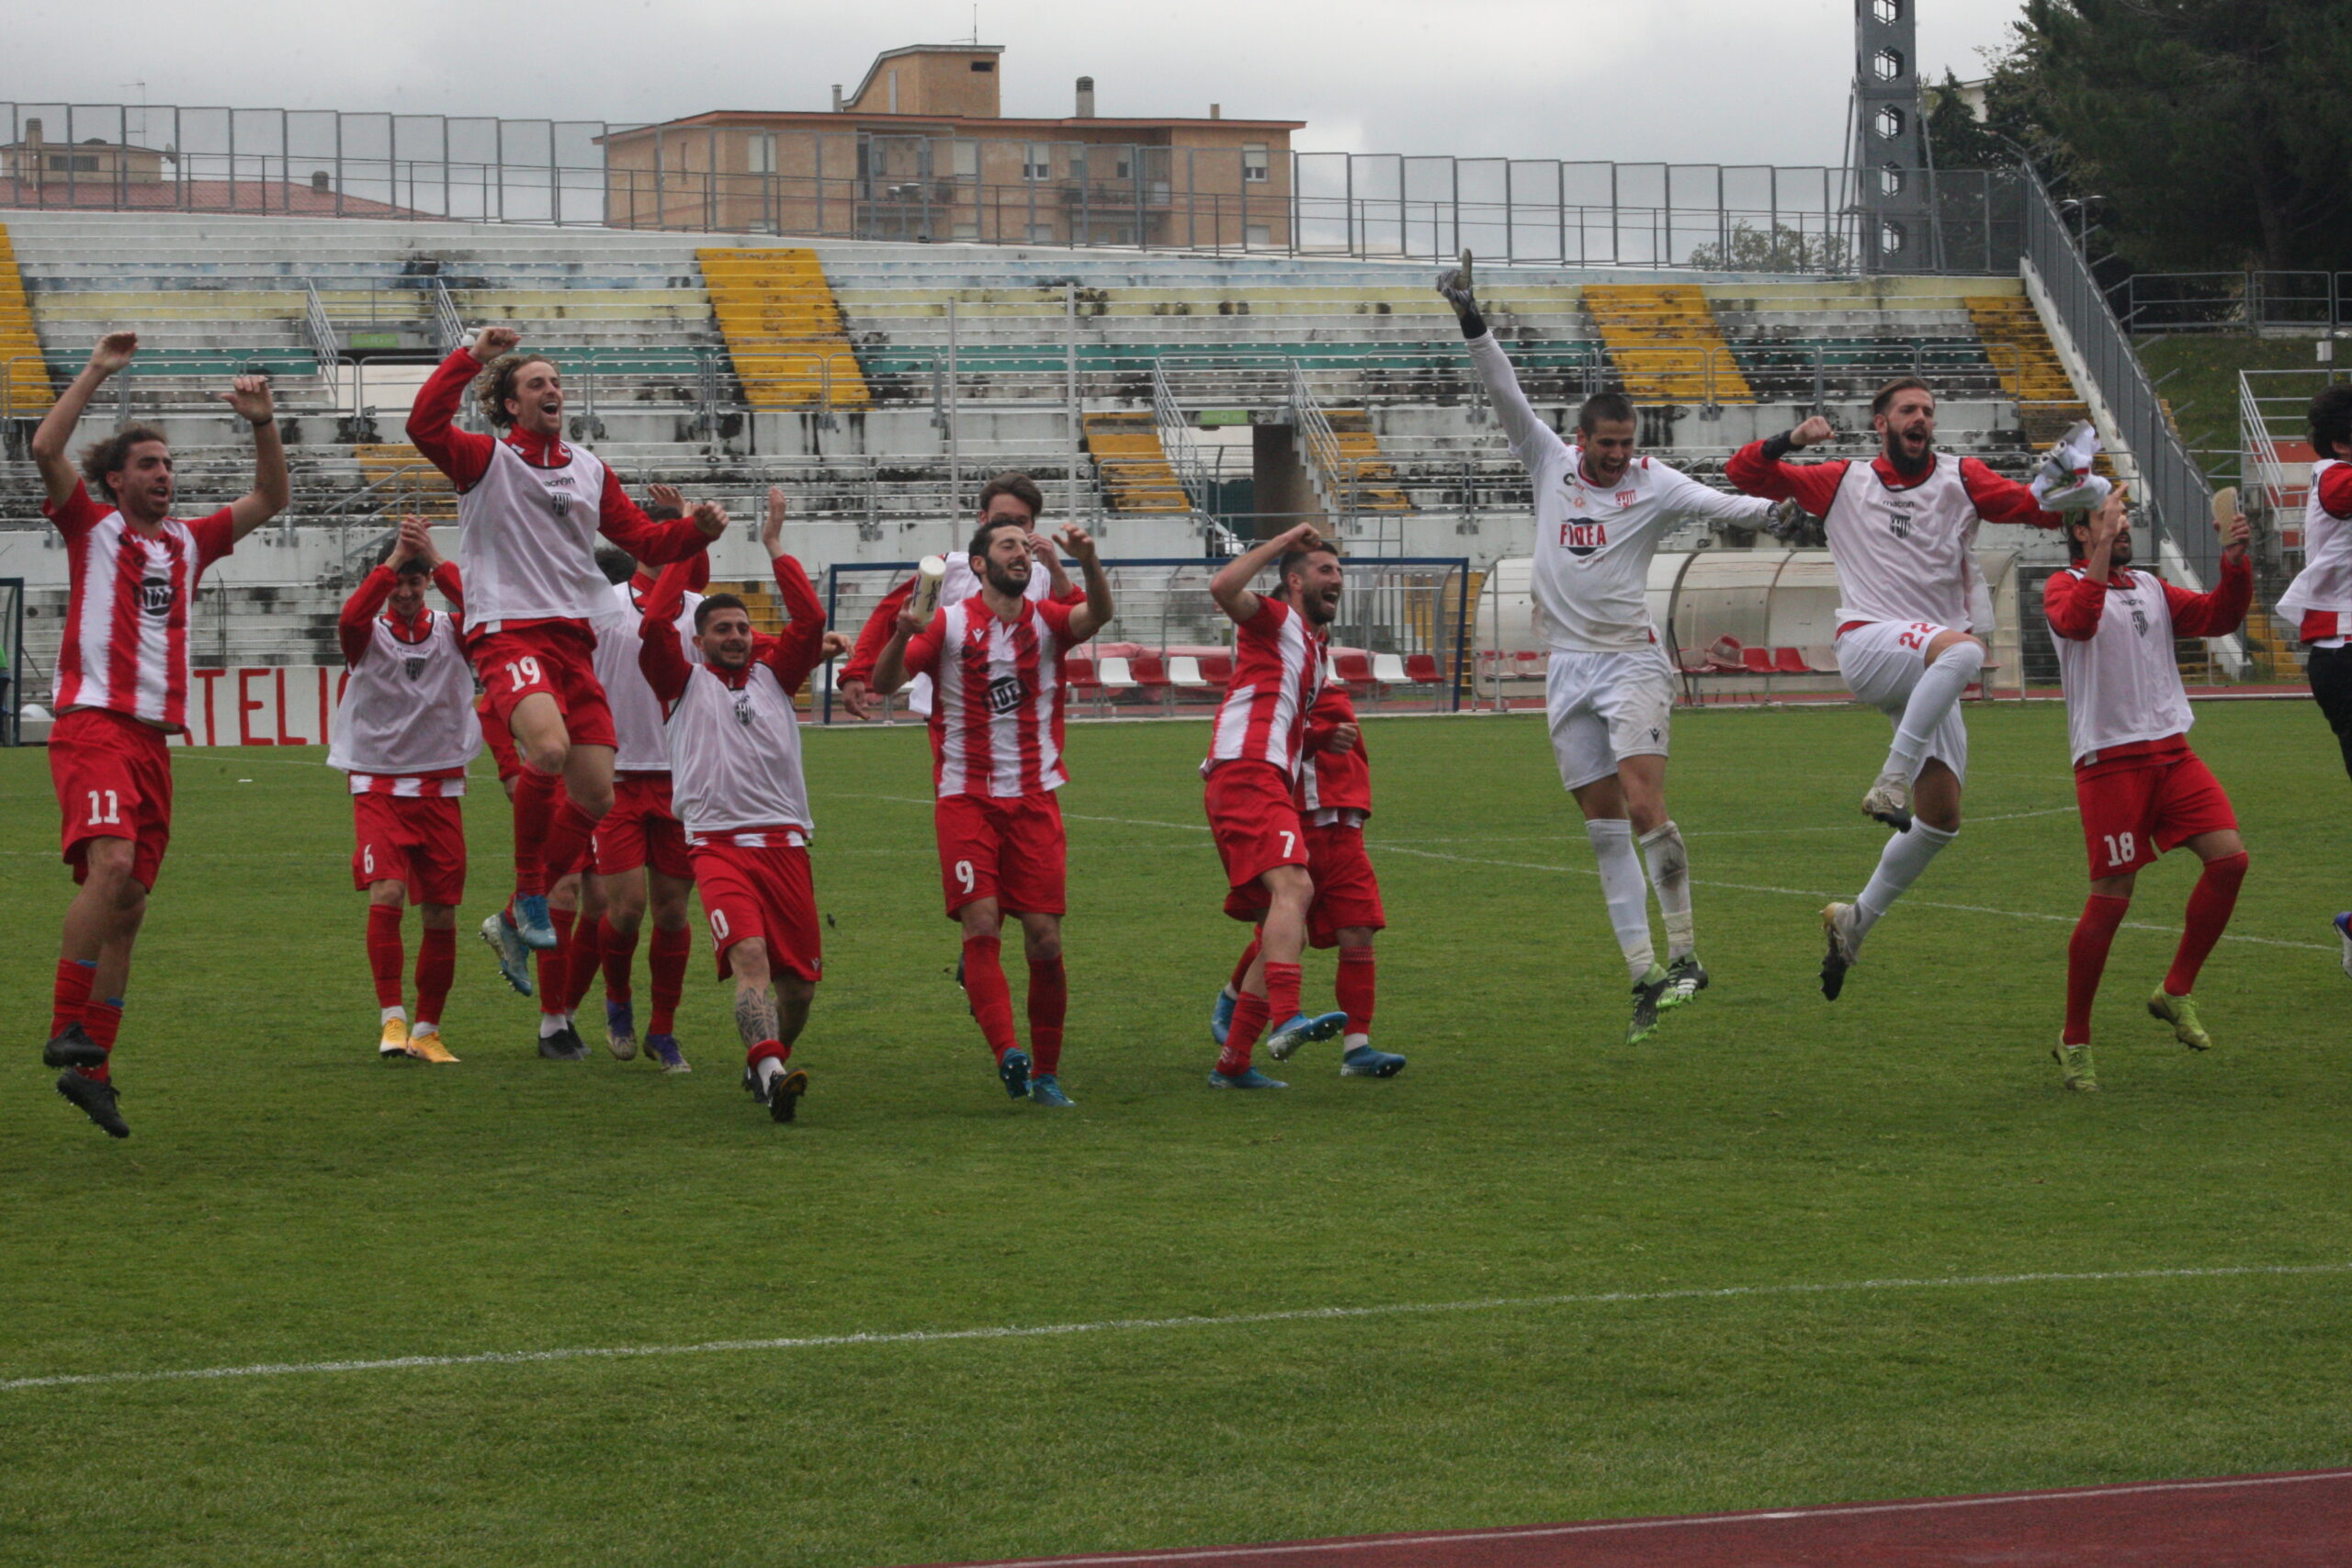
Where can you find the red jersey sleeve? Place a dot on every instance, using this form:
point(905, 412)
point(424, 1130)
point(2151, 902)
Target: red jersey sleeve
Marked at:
point(353, 627)
point(76, 515)
point(215, 536)
point(1268, 621)
point(452, 586)
point(922, 648)
point(801, 646)
point(2003, 501)
point(1069, 598)
point(663, 663)
point(875, 634)
point(2074, 604)
point(2336, 490)
point(2218, 612)
point(1055, 612)
point(1813, 485)
point(433, 422)
point(625, 523)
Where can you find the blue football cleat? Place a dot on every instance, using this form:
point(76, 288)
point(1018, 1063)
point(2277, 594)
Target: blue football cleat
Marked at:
point(620, 1031)
point(1013, 1073)
point(663, 1048)
point(1282, 1041)
point(1363, 1062)
point(1249, 1077)
point(1045, 1089)
point(514, 958)
point(2343, 929)
point(531, 921)
point(1221, 1016)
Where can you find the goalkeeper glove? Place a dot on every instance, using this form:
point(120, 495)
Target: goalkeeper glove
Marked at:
point(1455, 286)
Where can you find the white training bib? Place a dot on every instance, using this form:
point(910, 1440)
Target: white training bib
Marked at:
point(408, 708)
point(2123, 684)
point(735, 755)
point(1902, 555)
point(526, 542)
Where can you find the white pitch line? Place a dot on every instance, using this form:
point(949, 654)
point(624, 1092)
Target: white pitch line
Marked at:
point(1139, 1325)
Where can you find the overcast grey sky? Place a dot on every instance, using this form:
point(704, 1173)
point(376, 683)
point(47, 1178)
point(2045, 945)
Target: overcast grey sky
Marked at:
point(1700, 80)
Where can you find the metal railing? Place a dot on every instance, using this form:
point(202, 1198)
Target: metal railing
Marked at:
point(1176, 436)
point(321, 330)
point(447, 320)
point(2249, 301)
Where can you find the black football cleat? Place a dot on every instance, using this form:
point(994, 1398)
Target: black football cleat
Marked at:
point(97, 1100)
point(73, 1048)
point(564, 1045)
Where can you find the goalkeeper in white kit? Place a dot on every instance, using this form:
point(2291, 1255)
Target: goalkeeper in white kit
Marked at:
point(1600, 513)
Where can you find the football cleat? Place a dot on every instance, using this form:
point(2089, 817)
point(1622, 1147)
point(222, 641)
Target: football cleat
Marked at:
point(73, 1047)
point(531, 922)
point(1648, 991)
point(1363, 1062)
point(1221, 1014)
point(1889, 801)
point(1045, 1089)
point(563, 1046)
point(1845, 948)
point(2181, 1013)
point(782, 1093)
point(2343, 924)
point(1012, 1071)
point(97, 1100)
point(394, 1042)
point(1284, 1042)
point(427, 1047)
point(1686, 979)
point(1248, 1078)
point(514, 958)
point(2074, 1066)
point(663, 1048)
point(620, 1031)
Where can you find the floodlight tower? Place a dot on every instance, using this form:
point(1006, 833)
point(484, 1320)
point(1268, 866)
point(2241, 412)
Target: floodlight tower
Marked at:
point(1894, 176)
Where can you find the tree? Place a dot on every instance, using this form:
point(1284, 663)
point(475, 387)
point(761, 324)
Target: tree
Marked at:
point(1784, 249)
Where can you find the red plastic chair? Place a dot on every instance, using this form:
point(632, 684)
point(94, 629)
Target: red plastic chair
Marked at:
point(1422, 668)
point(1355, 668)
point(1790, 661)
point(1217, 667)
point(1757, 661)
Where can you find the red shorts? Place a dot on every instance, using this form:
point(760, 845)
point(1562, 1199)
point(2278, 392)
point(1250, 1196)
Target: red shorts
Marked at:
point(555, 657)
point(1255, 823)
point(500, 741)
point(1346, 892)
point(113, 777)
point(1009, 850)
point(760, 891)
point(414, 841)
point(640, 830)
point(2133, 814)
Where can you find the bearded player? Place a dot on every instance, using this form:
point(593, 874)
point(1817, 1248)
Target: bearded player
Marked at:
point(855, 686)
point(736, 781)
point(996, 664)
point(530, 508)
point(1900, 529)
point(1252, 769)
point(121, 689)
point(404, 732)
point(1601, 512)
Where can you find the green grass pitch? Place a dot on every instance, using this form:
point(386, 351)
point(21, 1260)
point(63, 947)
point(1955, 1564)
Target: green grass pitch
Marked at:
point(289, 1199)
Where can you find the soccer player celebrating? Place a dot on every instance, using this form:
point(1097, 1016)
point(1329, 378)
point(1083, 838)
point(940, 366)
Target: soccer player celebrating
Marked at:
point(1252, 771)
point(856, 685)
point(1609, 687)
point(1900, 528)
point(122, 679)
point(736, 781)
point(2320, 599)
point(995, 660)
point(404, 732)
point(529, 507)
point(2142, 791)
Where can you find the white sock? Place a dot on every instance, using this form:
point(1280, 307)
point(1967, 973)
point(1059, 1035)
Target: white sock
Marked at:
point(1624, 889)
point(1932, 700)
point(1670, 863)
point(1354, 1042)
point(391, 1013)
point(552, 1024)
point(770, 1069)
point(1899, 865)
point(422, 1027)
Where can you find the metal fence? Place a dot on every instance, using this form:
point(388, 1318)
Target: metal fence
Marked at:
point(2249, 301)
point(13, 679)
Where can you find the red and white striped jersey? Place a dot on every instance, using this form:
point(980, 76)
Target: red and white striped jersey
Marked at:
point(125, 648)
point(1334, 783)
point(996, 721)
point(405, 724)
point(1277, 674)
point(636, 712)
point(2320, 599)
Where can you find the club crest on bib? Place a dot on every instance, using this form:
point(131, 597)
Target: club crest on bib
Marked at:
point(743, 708)
point(1898, 522)
point(2139, 620)
point(415, 665)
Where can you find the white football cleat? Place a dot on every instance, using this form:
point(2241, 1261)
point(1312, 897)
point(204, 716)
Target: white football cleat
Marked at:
point(1889, 801)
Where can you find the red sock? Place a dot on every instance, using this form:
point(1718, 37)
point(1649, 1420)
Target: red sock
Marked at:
point(1281, 992)
point(387, 959)
point(991, 997)
point(587, 956)
point(71, 995)
point(2087, 959)
point(551, 965)
point(1248, 957)
point(1248, 1019)
point(570, 829)
point(668, 963)
point(437, 969)
point(534, 809)
point(766, 1050)
point(620, 951)
point(1353, 989)
point(1048, 1005)
point(2209, 903)
point(104, 1022)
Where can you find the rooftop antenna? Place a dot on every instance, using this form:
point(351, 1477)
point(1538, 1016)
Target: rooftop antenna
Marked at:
point(976, 21)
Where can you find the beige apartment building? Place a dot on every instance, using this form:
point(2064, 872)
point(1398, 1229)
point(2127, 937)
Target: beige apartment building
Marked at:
point(921, 151)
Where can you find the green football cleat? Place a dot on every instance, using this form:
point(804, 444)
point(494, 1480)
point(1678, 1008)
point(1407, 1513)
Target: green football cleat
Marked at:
point(1686, 979)
point(2181, 1013)
point(1647, 991)
point(2074, 1066)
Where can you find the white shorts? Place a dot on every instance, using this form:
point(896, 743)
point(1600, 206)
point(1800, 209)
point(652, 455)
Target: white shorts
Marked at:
point(1605, 708)
point(1881, 661)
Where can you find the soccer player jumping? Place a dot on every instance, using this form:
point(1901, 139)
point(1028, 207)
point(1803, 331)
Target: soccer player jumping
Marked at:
point(1608, 688)
point(2320, 599)
point(1900, 528)
point(2142, 791)
point(995, 660)
point(122, 679)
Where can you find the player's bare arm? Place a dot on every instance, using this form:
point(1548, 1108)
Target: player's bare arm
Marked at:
point(710, 518)
point(770, 526)
point(112, 354)
point(1096, 613)
point(1230, 586)
point(250, 399)
point(665, 498)
point(1042, 551)
point(492, 342)
point(890, 667)
point(1811, 433)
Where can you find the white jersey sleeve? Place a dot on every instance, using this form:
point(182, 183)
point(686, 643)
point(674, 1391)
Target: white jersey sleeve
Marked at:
point(1533, 442)
point(1681, 498)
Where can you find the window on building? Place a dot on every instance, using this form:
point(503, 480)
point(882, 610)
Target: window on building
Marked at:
point(79, 163)
point(1253, 161)
point(967, 232)
point(1041, 234)
point(763, 152)
point(984, 65)
point(967, 159)
point(1258, 237)
point(1037, 163)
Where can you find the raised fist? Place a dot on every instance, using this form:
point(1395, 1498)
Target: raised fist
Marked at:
point(1813, 432)
point(492, 342)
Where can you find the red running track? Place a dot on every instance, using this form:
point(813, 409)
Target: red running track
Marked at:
point(2301, 1521)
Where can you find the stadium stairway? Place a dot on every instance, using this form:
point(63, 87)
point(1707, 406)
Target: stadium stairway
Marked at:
point(2028, 366)
point(23, 373)
point(405, 482)
point(1666, 345)
point(1370, 479)
point(783, 328)
point(1136, 475)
